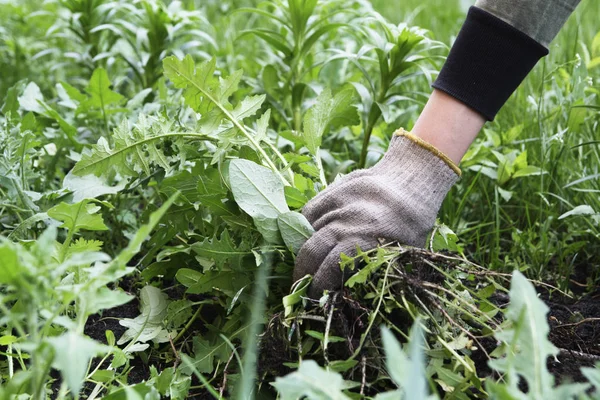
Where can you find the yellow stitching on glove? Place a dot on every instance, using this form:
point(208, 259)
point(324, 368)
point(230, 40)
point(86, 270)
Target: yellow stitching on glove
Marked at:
point(430, 147)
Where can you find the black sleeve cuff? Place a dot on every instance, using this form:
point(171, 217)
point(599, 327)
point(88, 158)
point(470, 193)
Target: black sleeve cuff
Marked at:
point(488, 61)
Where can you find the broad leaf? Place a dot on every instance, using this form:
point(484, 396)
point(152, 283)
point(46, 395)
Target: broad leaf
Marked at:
point(295, 229)
point(72, 353)
point(329, 111)
point(312, 381)
point(259, 192)
point(149, 325)
point(9, 260)
point(256, 189)
point(89, 186)
point(82, 215)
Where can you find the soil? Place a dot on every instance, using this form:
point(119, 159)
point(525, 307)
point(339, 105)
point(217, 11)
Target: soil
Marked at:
point(575, 329)
point(574, 326)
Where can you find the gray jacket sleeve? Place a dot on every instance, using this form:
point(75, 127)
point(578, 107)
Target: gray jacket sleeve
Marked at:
point(541, 20)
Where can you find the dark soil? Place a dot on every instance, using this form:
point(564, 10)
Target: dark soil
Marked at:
point(574, 325)
point(575, 330)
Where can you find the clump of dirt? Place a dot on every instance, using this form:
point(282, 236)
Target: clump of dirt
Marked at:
point(574, 325)
point(575, 330)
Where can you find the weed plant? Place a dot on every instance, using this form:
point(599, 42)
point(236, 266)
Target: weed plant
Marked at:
point(154, 160)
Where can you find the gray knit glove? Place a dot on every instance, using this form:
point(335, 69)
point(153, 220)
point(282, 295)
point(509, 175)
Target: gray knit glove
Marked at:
point(396, 200)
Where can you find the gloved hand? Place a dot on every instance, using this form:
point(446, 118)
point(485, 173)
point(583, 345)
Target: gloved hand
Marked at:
point(396, 200)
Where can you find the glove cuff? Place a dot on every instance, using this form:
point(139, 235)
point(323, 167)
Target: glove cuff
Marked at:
point(428, 146)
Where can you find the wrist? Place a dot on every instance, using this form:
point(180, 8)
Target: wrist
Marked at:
point(448, 124)
point(428, 146)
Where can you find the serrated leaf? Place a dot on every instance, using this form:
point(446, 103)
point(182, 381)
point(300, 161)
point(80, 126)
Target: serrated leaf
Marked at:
point(248, 106)
point(82, 245)
point(221, 250)
point(295, 230)
point(527, 338)
point(141, 235)
point(100, 93)
point(204, 355)
point(211, 280)
point(135, 150)
point(329, 111)
point(406, 367)
point(179, 312)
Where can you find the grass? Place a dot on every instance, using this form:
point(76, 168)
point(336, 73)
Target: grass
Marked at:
point(102, 123)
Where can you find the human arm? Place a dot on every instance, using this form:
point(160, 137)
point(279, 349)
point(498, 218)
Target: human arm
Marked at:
point(399, 198)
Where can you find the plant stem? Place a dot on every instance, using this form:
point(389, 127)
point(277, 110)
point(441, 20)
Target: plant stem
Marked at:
point(189, 323)
point(241, 128)
point(374, 115)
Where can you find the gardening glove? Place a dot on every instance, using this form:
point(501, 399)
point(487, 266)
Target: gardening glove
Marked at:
point(396, 200)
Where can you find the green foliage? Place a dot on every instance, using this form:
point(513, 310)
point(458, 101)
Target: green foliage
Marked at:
point(527, 349)
point(138, 160)
point(47, 299)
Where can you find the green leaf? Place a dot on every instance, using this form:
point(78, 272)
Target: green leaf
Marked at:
point(259, 192)
point(527, 344)
point(142, 234)
point(100, 93)
point(31, 98)
point(204, 355)
point(406, 367)
point(295, 230)
point(75, 217)
point(312, 381)
point(299, 290)
point(104, 299)
point(294, 197)
point(583, 209)
point(364, 273)
point(72, 353)
point(329, 111)
point(179, 312)
point(529, 170)
point(221, 250)
point(208, 95)
point(269, 229)
point(7, 339)
point(141, 391)
point(321, 336)
point(89, 186)
point(149, 324)
point(9, 259)
point(135, 149)
point(224, 281)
